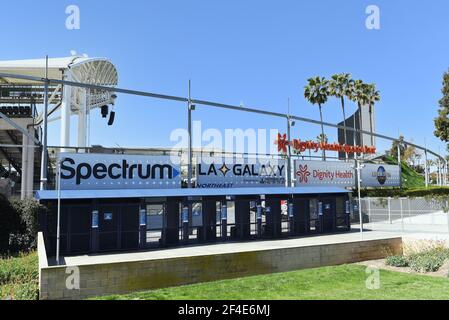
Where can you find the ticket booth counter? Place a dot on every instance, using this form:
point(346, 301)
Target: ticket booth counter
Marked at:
point(99, 221)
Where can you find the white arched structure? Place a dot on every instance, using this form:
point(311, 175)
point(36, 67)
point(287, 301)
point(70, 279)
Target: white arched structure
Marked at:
point(71, 100)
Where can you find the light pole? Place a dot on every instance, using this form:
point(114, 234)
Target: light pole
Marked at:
point(399, 162)
point(190, 107)
point(290, 124)
point(58, 227)
point(44, 158)
point(359, 168)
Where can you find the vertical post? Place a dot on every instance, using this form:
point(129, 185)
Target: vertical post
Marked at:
point(44, 154)
point(289, 160)
point(409, 208)
point(58, 227)
point(190, 152)
point(402, 215)
point(369, 209)
point(142, 227)
point(185, 222)
point(24, 178)
point(438, 171)
point(445, 172)
point(259, 218)
point(65, 112)
point(399, 164)
point(359, 192)
point(389, 210)
point(224, 219)
point(30, 164)
point(82, 121)
point(426, 169)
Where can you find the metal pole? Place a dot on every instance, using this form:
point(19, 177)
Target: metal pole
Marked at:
point(44, 159)
point(189, 105)
point(399, 164)
point(445, 172)
point(426, 170)
point(389, 210)
point(369, 209)
point(58, 227)
point(402, 215)
point(359, 194)
point(289, 162)
point(409, 208)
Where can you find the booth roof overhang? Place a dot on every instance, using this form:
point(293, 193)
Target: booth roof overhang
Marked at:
point(174, 193)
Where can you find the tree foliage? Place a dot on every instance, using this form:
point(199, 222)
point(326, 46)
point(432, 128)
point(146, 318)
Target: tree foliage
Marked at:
point(18, 224)
point(9, 223)
point(394, 148)
point(442, 121)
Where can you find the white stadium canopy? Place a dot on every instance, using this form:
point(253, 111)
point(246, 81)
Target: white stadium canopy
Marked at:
point(99, 71)
point(96, 71)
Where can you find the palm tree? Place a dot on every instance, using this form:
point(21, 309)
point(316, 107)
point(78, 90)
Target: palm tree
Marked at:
point(341, 86)
point(360, 95)
point(322, 138)
point(317, 92)
point(373, 97)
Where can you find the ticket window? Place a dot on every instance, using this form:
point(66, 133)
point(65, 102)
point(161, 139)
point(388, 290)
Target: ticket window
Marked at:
point(242, 229)
point(314, 216)
point(273, 212)
point(301, 216)
point(154, 222)
point(172, 222)
point(343, 212)
point(209, 221)
point(329, 214)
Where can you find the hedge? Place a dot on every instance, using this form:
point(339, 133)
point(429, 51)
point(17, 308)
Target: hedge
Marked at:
point(412, 193)
point(18, 225)
point(9, 222)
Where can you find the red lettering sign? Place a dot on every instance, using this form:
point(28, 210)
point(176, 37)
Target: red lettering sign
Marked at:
point(301, 146)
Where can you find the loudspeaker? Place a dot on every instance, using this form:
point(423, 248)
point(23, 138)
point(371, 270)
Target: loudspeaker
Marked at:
point(104, 111)
point(111, 118)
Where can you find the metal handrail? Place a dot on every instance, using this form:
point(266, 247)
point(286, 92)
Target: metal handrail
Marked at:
point(213, 104)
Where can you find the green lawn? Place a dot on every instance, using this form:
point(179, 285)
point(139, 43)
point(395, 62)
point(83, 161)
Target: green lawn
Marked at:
point(19, 277)
point(343, 282)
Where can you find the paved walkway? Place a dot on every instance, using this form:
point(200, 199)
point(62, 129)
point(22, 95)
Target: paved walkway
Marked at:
point(225, 248)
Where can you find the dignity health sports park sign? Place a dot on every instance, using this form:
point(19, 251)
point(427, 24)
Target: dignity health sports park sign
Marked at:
point(217, 172)
point(112, 171)
point(342, 174)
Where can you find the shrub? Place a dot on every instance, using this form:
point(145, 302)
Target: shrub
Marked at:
point(442, 192)
point(428, 261)
point(9, 223)
point(23, 268)
point(25, 238)
point(19, 277)
point(397, 261)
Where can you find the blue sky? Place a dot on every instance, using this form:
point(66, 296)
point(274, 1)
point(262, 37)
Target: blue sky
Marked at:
point(254, 52)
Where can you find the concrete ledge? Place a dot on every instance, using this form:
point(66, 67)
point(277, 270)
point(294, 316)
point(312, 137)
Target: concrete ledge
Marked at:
point(124, 277)
point(42, 257)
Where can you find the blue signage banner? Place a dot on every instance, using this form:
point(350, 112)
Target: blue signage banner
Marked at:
point(113, 171)
point(380, 175)
point(216, 172)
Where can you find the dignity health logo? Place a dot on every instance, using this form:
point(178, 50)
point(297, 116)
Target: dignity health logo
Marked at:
point(303, 174)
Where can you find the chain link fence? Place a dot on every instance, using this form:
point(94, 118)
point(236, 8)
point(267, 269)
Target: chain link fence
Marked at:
point(417, 215)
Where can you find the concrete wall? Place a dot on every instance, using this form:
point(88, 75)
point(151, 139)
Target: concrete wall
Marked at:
point(125, 277)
